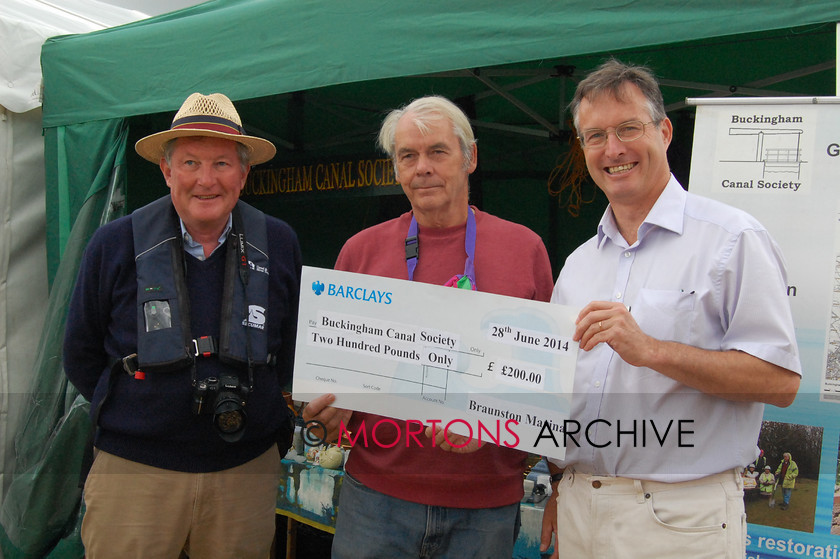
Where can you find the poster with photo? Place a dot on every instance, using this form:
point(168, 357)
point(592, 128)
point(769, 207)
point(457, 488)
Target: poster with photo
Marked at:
point(779, 160)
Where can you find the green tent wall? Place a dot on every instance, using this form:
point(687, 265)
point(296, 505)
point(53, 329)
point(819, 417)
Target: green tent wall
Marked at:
point(316, 78)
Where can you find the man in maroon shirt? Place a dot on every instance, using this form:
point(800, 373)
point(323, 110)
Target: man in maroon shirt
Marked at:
point(408, 499)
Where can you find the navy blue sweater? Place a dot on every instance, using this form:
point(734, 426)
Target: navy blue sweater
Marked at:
point(150, 421)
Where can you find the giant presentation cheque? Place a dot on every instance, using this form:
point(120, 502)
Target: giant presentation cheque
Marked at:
point(496, 368)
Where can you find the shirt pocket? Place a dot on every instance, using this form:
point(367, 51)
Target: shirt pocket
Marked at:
point(664, 314)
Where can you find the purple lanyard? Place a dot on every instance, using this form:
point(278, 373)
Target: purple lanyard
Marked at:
point(412, 254)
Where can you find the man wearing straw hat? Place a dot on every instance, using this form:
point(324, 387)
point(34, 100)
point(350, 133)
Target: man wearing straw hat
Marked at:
point(181, 334)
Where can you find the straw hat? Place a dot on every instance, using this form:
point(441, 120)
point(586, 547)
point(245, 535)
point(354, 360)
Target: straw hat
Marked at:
point(206, 115)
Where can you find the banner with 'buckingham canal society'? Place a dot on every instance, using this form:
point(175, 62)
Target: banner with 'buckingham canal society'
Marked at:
point(779, 160)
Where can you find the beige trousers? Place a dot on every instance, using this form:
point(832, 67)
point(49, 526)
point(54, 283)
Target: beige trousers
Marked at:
point(612, 517)
point(139, 511)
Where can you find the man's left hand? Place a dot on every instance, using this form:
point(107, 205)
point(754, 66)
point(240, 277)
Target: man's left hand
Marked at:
point(611, 323)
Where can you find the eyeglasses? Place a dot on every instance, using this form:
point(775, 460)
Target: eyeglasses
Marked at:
point(626, 132)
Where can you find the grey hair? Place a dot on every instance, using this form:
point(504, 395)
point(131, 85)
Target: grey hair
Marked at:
point(609, 78)
point(242, 151)
point(423, 111)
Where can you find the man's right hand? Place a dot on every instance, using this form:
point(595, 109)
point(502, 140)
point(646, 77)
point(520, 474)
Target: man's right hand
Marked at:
point(321, 410)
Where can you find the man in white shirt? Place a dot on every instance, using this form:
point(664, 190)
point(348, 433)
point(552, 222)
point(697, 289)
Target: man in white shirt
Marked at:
point(685, 333)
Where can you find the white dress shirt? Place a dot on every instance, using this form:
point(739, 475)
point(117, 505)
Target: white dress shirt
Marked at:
point(701, 273)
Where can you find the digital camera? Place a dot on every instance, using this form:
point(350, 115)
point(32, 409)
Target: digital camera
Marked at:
point(225, 399)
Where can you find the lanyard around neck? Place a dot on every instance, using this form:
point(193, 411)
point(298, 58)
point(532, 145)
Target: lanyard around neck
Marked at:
point(412, 254)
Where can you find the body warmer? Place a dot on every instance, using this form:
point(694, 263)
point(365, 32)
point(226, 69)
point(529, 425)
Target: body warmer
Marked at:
point(164, 340)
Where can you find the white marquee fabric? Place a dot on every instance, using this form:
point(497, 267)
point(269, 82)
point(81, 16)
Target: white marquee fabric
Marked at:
point(24, 26)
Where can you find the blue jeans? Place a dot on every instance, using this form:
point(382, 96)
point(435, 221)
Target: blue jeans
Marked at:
point(373, 525)
point(786, 495)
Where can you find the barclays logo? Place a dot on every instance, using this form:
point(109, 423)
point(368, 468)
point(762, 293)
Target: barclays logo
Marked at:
point(317, 287)
point(350, 292)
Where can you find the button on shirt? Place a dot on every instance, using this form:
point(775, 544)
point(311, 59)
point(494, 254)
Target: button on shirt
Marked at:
point(703, 274)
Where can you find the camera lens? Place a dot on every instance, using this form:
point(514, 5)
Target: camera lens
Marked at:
point(229, 417)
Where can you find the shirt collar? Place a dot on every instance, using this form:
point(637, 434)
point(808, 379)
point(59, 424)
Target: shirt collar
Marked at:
point(667, 213)
point(195, 249)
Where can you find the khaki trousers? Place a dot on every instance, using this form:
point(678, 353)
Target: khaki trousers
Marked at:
point(612, 517)
point(134, 510)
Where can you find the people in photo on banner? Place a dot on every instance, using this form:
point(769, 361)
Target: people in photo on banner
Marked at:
point(761, 461)
point(685, 333)
point(750, 476)
point(766, 482)
point(436, 499)
point(180, 333)
point(786, 474)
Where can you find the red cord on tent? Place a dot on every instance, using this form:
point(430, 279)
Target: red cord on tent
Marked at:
point(568, 178)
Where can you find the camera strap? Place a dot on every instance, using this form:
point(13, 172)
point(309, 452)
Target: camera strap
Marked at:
point(412, 253)
point(238, 235)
